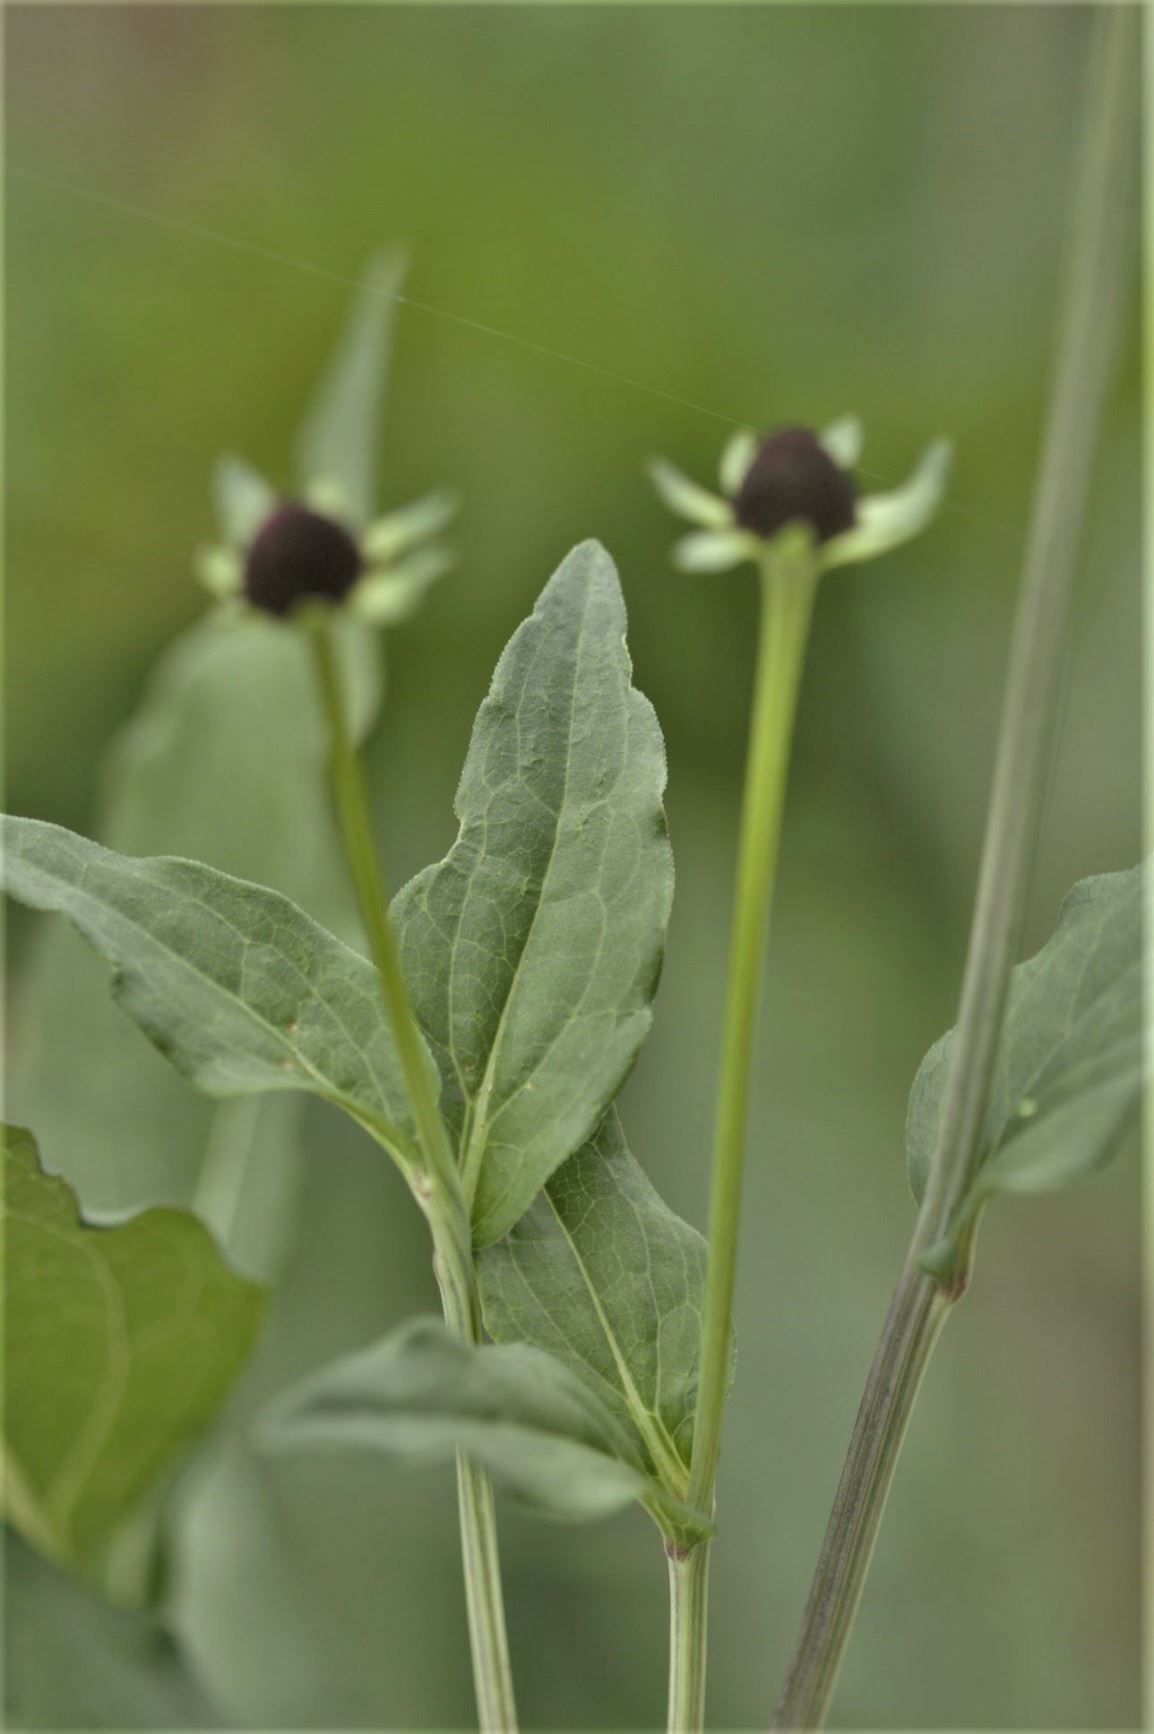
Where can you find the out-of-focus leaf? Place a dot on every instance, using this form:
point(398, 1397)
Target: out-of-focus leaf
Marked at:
point(1069, 1070)
point(602, 1274)
point(339, 442)
point(223, 763)
point(243, 500)
point(236, 986)
point(422, 1396)
point(121, 1342)
point(73, 1661)
point(533, 950)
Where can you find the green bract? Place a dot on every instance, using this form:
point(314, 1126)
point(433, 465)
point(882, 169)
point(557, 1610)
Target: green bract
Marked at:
point(883, 521)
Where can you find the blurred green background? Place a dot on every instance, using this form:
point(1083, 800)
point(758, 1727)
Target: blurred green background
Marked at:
point(777, 214)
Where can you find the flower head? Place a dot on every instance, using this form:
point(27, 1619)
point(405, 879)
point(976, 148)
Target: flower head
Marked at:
point(277, 555)
point(297, 554)
point(796, 477)
point(322, 545)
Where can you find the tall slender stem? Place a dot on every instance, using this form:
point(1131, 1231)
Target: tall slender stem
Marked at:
point(1099, 245)
point(688, 1624)
point(788, 582)
point(353, 815)
point(786, 604)
point(444, 1203)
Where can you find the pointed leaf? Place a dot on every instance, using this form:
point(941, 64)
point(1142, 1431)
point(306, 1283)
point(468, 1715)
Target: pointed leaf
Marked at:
point(422, 1395)
point(244, 499)
point(223, 761)
point(533, 950)
point(1069, 1071)
point(602, 1274)
point(339, 440)
point(235, 985)
point(121, 1342)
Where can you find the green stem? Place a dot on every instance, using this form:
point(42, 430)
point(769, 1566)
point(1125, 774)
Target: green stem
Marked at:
point(788, 585)
point(688, 1625)
point(353, 815)
point(1093, 296)
point(438, 1188)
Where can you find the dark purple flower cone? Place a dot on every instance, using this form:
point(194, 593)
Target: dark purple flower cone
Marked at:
point(793, 479)
point(299, 555)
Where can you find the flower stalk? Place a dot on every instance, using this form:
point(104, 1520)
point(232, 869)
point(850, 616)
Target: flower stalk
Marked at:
point(789, 504)
point(688, 1617)
point(789, 574)
point(1097, 263)
point(437, 1184)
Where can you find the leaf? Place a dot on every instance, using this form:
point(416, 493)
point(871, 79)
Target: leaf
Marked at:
point(223, 762)
point(74, 1661)
point(121, 1342)
point(339, 440)
point(603, 1275)
point(533, 950)
point(422, 1395)
point(235, 985)
point(243, 498)
point(1068, 1075)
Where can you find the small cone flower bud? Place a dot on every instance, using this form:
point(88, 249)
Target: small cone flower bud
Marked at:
point(298, 556)
point(793, 479)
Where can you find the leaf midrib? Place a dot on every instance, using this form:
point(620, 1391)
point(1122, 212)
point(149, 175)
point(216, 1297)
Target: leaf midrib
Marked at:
point(388, 1133)
point(665, 1456)
point(476, 1122)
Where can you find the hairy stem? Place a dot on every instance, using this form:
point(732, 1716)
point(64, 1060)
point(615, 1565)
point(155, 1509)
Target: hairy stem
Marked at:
point(443, 1201)
point(1096, 270)
point(688, 1626)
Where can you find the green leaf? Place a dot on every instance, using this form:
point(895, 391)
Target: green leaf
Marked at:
point(1068, 1075)
point(74, 1661)
point(243, 498)
point(121, 1343)
point(339, 442)
point(235, 985)
point(533, 950)
point(422, 1395)
point(223, 762)
point(603, 1275)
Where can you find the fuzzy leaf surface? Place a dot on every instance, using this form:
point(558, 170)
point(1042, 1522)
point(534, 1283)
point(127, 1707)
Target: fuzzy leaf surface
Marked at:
point(533, 950)
point(239, 988)
point(602, 1274)
point(121, 1342)
point(1068, 1076)
point(421, 1395)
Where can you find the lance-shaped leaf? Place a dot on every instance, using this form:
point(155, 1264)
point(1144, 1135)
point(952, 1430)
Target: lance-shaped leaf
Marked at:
point(121, 1343)
point(223, 762)
point(236, 986)
point(340, 439)
point(422, 1396)
point(533, 949)
point(601, 1273)
point(1069, 1070)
